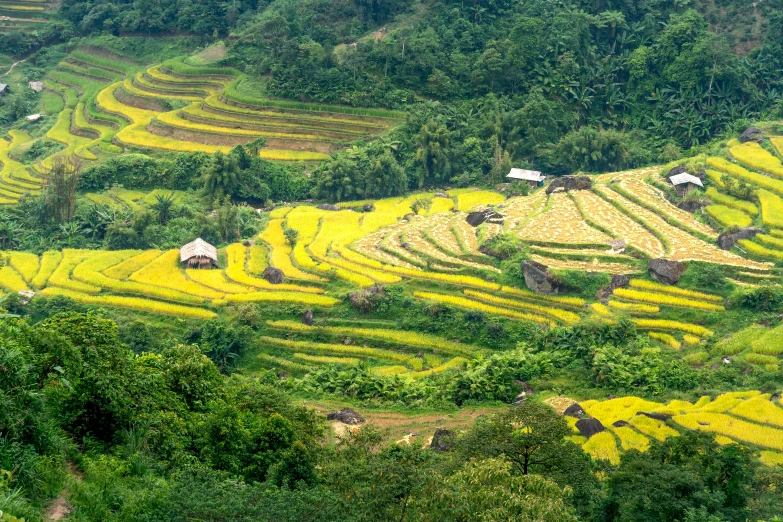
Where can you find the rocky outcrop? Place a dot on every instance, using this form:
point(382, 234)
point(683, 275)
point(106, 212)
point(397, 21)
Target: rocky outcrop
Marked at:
point(752, 134)
point(575, 410)
point(442, 441)
point(273, 275)
point(589, 427)
point(307, 317)
point(656, 416)
point(539, 280)
point(346, 416)
point(692, 205)
point(364, 300)
point(666, 271)
point(618, 281)
point(441, 195)
point(617, 246)
point(478, 217)
point(369, 207)
point(326, 206)
point(727, 240)
point(568, 183)
point(620, 423)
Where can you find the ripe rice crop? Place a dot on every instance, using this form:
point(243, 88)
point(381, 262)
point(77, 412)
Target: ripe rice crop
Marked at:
point(755, 248)
point(664, 299)
point(456, 362)
point(668, 289)
point(730, 201)
point(631, 439)
point(279, 212)
point(341, 349)
point(283, 297)
point(666, 339)
point(25, 263)
point(764, 436)
point(323, 359)
point(691, 339)
point(136, 88)
point(664, 324)
point(469, 304)
point(772, 241)
point(622, 408)
point(11, 280)
point(601, 309)
point(653, 427)
point(216, 280)
point(256, 260)
point(634, 307)
point(696, 358)
point(440, 205)
point(758, 358)
point(470, 200)
point(728, 216)
point(753, 177)
point(126, 268)
point(383, 371)
point(770, 343)
point(136, 303)
point(237, 257)
point(563, 300)
point(716, 177)
point(49, 262)
point(396, 337)
point(165, 272)
point(173, 120)
point(771, 208)
point(62, 275)
point(602, 446)
point(557, 313)
point(281, 252)
point(760, 409)
point(771, 458)
point(753, 154)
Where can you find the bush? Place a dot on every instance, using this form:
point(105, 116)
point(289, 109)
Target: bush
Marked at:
point(587, 283)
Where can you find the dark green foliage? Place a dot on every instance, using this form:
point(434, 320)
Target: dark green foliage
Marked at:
point(706, 276)
point(687, 472)
point(221, 341)
point(586, 283)
point(766, 298)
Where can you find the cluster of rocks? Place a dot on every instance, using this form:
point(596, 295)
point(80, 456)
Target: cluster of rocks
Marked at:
point(480, 217)
point(568, 183)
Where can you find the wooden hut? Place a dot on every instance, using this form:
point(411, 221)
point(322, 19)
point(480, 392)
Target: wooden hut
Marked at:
point(532, 177)
point(198, 254)
point(684, 183)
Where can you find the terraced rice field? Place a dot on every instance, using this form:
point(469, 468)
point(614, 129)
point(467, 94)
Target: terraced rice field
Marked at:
point(111, 103)
point(750, 418)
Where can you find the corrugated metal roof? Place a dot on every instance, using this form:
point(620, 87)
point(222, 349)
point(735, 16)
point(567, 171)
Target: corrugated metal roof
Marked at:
point(679, 179)
point(198, 248)
point(527, 175)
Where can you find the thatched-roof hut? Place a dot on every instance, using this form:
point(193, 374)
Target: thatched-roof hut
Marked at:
point(198, 254)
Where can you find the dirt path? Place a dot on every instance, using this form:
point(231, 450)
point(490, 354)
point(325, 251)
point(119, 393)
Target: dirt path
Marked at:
point(59, 510)
point(12, 67)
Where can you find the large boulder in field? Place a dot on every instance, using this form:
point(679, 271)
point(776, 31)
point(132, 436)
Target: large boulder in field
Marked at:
point(568, 183)
point(442, 440)
point(346, 416)
point(692, 205)
point(657, 416)
point(575, 410)
point(326, 206)
point(307, 317)
point(589, 427)
point(752, 134)
point(273, 275)
point(666, 271)
point(727, 240)
point(539, 280)
point(478, 217)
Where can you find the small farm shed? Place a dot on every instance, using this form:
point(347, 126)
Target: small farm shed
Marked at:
point(198, 254)
point(532, 177)
point(684, 183)
point(3, 88)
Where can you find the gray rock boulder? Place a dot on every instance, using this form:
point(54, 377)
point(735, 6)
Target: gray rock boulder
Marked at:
point(692, 205)
point(307, 317)
point(656, 416)
point(273, 275)
point(752, 134)
point(618, 281)
point(441, 195)
point(727, 240)
point(442, 441)
point(589, 427)
point(666, 271)
point(539, 280)
point(346, 416)
point(326, 206)
point(568, 183)
point(575, 410)
point(478, 217)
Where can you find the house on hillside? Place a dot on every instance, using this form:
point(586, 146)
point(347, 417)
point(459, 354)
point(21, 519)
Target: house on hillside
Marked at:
point(684, 183)
point(532, 177)
point(198, 254)
point(3, 89)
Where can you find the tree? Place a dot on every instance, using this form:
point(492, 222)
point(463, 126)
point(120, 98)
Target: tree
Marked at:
point(340, 180)
point(421, 204)
point(488, 490)
point(162, 205)
point(681, 474)
point(220, 176)
point(432, 155)
point(386, 178)
point(59, 192)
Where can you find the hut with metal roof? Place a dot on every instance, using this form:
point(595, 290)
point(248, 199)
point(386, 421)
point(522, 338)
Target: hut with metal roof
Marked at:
point(532, 177)
point(198, 254)
point(684, 183)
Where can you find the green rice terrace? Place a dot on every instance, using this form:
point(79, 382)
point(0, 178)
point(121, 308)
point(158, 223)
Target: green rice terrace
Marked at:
point(24, 14)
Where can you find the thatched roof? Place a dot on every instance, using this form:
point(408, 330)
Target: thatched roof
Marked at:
point(198, 248)
point(526, 175)
point(679, 179)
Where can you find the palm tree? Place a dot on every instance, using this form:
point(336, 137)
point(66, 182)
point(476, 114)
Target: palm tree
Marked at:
point(162, 206)
point(221, 176)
